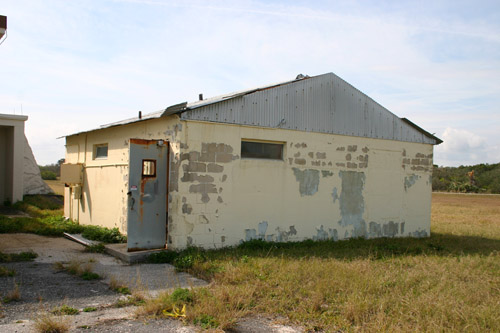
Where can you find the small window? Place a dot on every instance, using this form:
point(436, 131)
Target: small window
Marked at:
point(101, 151)
point(270, 151)
point(149, 168)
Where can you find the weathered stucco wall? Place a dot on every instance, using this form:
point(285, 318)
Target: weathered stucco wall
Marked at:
point(105, 181)
point(326, 187)
point(33, 182)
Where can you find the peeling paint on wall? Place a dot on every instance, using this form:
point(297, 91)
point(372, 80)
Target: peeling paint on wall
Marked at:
point(410, 181)
point(308, 181)
point(335, 195)
point(283, 235)
point(326, 173)
point(352, 204)
point(262, 229)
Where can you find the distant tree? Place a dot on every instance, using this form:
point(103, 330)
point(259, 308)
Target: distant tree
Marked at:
point(50, 169)
point(457, 179)
point(48, 175)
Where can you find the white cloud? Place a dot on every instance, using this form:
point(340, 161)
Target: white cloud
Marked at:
point(461, 147)
point(94, 62)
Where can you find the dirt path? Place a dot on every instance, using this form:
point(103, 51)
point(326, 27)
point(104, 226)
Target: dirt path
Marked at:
point(42, 287)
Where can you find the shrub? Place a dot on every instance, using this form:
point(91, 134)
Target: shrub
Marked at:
point(164, 257)
point(48, 175)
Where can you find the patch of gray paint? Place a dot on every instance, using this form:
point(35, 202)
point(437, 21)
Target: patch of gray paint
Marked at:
point(326, 173)
point(189, 240)
point(419, 234)
point(340, 148)
point(320, 155)
point(333, 234)
point(335, 196)
point(348, 157)
point(282, 235)
point(352, 203)
point(311, 154)
point(203, 219)
point(346, 235)
point(219, 199)
point(321, 234)
point(365, 150)
point(374, 230)
point(308, 181)
point(402, 225)
point(352, 148)
point(410, 181)
point(262, 229)
point(224, 177)
point(390, 229)
point(250, 234)
point(300, 161)
point(187, 209)
point(297, 154)
point(270, 238)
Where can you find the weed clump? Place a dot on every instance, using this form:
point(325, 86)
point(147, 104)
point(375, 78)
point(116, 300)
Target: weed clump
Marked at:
point(4, 271)
point(48, 323)
point(65, 310)
point(15, 257)
point(89, 309)
point(96, 248)
point(164, 257)
point(12, 296)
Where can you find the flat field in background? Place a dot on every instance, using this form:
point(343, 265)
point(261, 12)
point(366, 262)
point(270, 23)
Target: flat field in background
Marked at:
point(56, 185)
point(448, 282)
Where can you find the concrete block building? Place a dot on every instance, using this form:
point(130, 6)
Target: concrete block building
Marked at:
point(311, 158)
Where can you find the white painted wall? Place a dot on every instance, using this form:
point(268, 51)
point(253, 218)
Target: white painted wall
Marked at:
point(326, 187)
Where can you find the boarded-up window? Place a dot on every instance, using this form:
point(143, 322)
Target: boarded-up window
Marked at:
point(265, 150)
point(148, 168)
point(101, 151)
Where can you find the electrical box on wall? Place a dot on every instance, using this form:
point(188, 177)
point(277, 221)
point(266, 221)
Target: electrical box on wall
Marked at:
point(72, 174)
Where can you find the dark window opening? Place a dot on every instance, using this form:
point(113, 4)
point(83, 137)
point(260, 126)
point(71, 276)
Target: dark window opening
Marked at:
point(265, 150)
point(149, 168)
point(101, 151)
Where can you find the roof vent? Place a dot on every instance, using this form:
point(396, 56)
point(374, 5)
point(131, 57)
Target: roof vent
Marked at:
point(140, 114)
point(200, 96)
point(3, 26)
point(301, 76)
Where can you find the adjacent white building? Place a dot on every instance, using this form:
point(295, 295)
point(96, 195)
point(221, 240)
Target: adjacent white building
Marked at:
point(19, 173)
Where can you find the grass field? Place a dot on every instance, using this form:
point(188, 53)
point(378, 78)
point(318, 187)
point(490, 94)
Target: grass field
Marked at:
point(56, 185)
point(448, 282)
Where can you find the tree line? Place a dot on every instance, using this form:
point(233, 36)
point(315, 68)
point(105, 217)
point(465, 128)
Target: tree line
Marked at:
point(479, 178)
point(51, 171)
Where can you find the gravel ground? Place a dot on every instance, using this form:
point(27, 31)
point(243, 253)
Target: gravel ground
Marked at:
point(42, 287)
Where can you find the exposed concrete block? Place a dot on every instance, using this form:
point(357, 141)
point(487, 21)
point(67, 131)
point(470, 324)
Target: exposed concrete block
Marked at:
point(212, 167)
point(223, 158)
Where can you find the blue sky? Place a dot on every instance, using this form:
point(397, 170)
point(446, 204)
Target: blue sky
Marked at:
point(74, 65)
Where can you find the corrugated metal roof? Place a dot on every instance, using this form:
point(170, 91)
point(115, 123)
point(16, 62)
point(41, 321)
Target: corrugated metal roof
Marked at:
point(323, 103)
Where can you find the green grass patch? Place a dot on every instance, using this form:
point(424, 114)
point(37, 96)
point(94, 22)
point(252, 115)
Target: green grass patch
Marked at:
point(89, 309)
point(65, 310)
point(46, 219)
point(447, 282)
point(4, 271)
point(96, 248)
point(15, 257)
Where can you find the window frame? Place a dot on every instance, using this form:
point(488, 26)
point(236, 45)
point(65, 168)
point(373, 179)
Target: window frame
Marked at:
point(96, 147)
point(143, 175)
point(282, 144)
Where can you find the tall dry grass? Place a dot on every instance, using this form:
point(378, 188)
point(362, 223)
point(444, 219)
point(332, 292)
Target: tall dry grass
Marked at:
point(448, 282)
